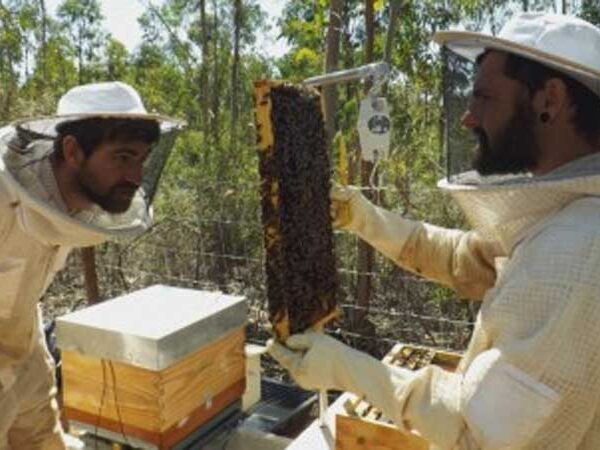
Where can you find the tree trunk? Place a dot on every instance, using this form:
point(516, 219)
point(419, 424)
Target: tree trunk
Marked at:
point(332, 55)
point(204, 107)
point(348, 53)
point(389, 40)
point(6, 73)
point(216, 85)
point(387, 56)
point(365, 251)
point(220, 231)
point(235, 72)
point(80, 55)
point(44, 39)
point(88, 258)
point(11, 87)
point(204, 122)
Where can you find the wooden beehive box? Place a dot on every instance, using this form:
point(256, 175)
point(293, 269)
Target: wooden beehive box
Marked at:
point(362, 427)
point(155, 365)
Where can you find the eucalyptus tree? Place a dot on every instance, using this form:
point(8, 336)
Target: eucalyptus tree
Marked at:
point(19, 21)
point(590, 10)
point(82, 20)
point(117, 60)
point(11, 55)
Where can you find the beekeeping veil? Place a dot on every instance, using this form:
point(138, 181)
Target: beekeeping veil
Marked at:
point(28, 140)
point(503, 207)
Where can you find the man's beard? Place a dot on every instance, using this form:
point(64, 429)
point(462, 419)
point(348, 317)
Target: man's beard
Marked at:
point(515, 149)
point(116, 200)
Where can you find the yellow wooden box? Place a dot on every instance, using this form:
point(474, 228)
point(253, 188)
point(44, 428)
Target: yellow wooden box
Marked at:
point(153, 366)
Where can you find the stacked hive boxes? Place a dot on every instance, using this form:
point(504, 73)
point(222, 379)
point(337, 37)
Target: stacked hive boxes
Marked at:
point(153, 366)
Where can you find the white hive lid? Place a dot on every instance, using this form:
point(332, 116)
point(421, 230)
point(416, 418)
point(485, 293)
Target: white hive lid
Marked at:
point(153, 327)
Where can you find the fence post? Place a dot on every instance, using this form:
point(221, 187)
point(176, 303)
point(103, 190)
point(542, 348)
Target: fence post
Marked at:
point(88, 258)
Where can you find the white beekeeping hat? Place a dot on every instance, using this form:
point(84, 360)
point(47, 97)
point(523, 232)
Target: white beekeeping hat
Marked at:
point(98, 100)
point(565, 43)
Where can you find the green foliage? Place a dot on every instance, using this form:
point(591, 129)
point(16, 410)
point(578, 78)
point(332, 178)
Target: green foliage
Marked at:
point(117, 64)
point(590, 11)
point(208, 200)
point(82, 19)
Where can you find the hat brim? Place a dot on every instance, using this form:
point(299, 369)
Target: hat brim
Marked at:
point(470, 45)
point(45, 126)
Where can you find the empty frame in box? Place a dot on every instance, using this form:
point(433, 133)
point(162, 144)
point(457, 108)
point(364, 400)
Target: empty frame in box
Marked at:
point(155, 364)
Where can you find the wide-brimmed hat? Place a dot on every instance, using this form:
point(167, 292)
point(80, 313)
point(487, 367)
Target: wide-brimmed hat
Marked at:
point(565, 43)
point(98, 100)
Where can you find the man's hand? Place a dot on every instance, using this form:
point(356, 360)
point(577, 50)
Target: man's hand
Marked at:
point(384, 230)
point(319, 362)
point(312, 359)
point(348, 206)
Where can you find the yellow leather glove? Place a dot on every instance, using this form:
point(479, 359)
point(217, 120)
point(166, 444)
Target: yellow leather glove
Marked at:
point(384, 230)
point(458, 259)
point(319, 362)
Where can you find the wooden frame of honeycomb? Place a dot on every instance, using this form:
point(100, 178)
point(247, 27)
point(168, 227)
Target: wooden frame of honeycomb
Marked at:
point(295, 171)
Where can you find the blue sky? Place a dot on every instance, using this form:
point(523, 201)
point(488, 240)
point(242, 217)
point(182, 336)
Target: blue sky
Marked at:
point(121, 20)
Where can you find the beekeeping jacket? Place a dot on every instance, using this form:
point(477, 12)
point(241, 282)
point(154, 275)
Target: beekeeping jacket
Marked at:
point(36, 235)
point(530, 378)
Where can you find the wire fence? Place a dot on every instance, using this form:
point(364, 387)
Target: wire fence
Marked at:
point(220, 247)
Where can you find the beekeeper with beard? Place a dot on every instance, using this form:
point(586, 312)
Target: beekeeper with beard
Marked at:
point(71, 180)
point(530, 378)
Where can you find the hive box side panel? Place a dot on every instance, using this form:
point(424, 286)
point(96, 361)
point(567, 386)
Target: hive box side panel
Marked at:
point(173, 348)
point(114, 430)
point(196, 381)
point(356, 434)
point(89, 387)
point(230, 398)
point(163, 407)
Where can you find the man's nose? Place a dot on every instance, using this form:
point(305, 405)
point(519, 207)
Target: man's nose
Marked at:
point(134, 174)
point(468, 120)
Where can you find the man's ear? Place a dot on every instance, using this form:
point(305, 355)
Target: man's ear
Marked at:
point(552, 100)
point(72, 152)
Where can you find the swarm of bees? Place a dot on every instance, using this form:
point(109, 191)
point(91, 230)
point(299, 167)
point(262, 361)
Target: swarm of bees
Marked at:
point(295, 171)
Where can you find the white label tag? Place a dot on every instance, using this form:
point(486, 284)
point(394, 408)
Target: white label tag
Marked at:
point(374, 128)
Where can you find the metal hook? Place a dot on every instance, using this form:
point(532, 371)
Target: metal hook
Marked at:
point(378, 72)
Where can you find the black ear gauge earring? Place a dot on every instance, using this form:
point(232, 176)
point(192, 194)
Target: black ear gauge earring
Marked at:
point(544, 117)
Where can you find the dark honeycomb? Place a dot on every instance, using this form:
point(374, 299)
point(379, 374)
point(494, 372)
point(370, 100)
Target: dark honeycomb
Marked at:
point(295, 181)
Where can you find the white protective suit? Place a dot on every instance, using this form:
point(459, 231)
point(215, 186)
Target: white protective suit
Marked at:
point(36, 235)
point(530, 378)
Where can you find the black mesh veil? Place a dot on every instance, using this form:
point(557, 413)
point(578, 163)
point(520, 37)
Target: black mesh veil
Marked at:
point(156, 162)
point(459, 142)
point(153, 166)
